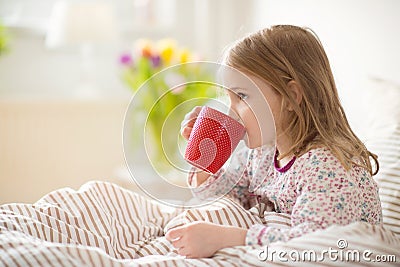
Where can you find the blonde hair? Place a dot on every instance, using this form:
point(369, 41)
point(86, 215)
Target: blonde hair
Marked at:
point(285, 53)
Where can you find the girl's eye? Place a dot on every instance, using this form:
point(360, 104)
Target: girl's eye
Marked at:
point(242, 96)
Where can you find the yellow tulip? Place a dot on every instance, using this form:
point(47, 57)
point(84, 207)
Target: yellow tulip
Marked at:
point(167, 48)
point(184, 55)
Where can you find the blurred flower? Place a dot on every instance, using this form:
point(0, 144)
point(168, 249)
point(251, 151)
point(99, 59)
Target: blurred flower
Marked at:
point(175, 85)
point(184, 56)
point(144, 47)
point(126, 59)
point(148, 58)
point(156, 61)
point(166, 48)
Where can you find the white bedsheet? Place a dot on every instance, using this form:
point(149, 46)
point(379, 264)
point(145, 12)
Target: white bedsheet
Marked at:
point(105, 225)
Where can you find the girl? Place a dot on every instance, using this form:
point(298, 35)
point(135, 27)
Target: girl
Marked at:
point(322, 174)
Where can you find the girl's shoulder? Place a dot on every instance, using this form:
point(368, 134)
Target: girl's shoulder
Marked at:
point(323, 159)
point(318, 152)
point(320, 156)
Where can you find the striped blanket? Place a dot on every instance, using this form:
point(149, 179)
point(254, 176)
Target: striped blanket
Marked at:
point(103, 224)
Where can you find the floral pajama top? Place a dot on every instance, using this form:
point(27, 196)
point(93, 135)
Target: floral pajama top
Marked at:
point(314, 189)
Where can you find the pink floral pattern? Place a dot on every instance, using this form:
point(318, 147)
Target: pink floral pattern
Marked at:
point(316, 191)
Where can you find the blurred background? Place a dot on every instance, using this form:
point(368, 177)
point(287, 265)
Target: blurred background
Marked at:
point(63, 95)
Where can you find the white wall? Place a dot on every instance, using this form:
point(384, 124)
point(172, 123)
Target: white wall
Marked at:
point(360, 36)
point(31, 69)
point(205, 26)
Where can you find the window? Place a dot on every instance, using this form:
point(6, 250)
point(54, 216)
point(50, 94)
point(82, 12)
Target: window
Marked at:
point(133, 16)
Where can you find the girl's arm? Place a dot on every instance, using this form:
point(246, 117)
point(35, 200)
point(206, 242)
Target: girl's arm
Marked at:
point(203, 239)
point(232, 181)
point(198, 177)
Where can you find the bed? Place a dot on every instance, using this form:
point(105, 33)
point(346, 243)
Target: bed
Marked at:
point(103, 224)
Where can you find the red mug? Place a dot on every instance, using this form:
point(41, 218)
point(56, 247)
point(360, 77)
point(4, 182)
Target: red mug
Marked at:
point(213, 139)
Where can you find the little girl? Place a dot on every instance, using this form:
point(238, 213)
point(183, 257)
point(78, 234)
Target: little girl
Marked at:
point(322, 174)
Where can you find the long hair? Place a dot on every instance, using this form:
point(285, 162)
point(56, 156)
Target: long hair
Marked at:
point(285, 53)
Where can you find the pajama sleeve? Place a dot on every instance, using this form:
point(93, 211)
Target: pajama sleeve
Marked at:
point(326, 195)
point(230, 180)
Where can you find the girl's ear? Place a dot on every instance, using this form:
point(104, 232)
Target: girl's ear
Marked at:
point(295, 92)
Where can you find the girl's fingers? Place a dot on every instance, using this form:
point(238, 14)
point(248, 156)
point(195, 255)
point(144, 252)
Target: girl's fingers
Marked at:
point(192, 115)
point(177, 243)
point(189, 120)
point(188, 123)
point(174, 234)
point(196, 110)
point(183, 252)
point(185, 132)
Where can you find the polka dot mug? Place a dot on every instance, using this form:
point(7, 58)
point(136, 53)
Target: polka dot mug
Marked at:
point(213, 139)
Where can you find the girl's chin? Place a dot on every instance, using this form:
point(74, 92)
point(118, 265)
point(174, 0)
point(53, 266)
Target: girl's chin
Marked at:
point(256, 144)
point(250, 144)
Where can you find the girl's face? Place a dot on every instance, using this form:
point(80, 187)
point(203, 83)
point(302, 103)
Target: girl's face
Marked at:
point(257, 106)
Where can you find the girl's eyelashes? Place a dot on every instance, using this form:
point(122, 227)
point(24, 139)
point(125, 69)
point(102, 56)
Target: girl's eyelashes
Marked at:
point(242, 96)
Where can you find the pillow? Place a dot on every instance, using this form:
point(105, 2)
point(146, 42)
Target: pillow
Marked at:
point(383, 138)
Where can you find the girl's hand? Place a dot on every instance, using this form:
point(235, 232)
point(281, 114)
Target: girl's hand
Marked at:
point(203, 239)
point(188, 122)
